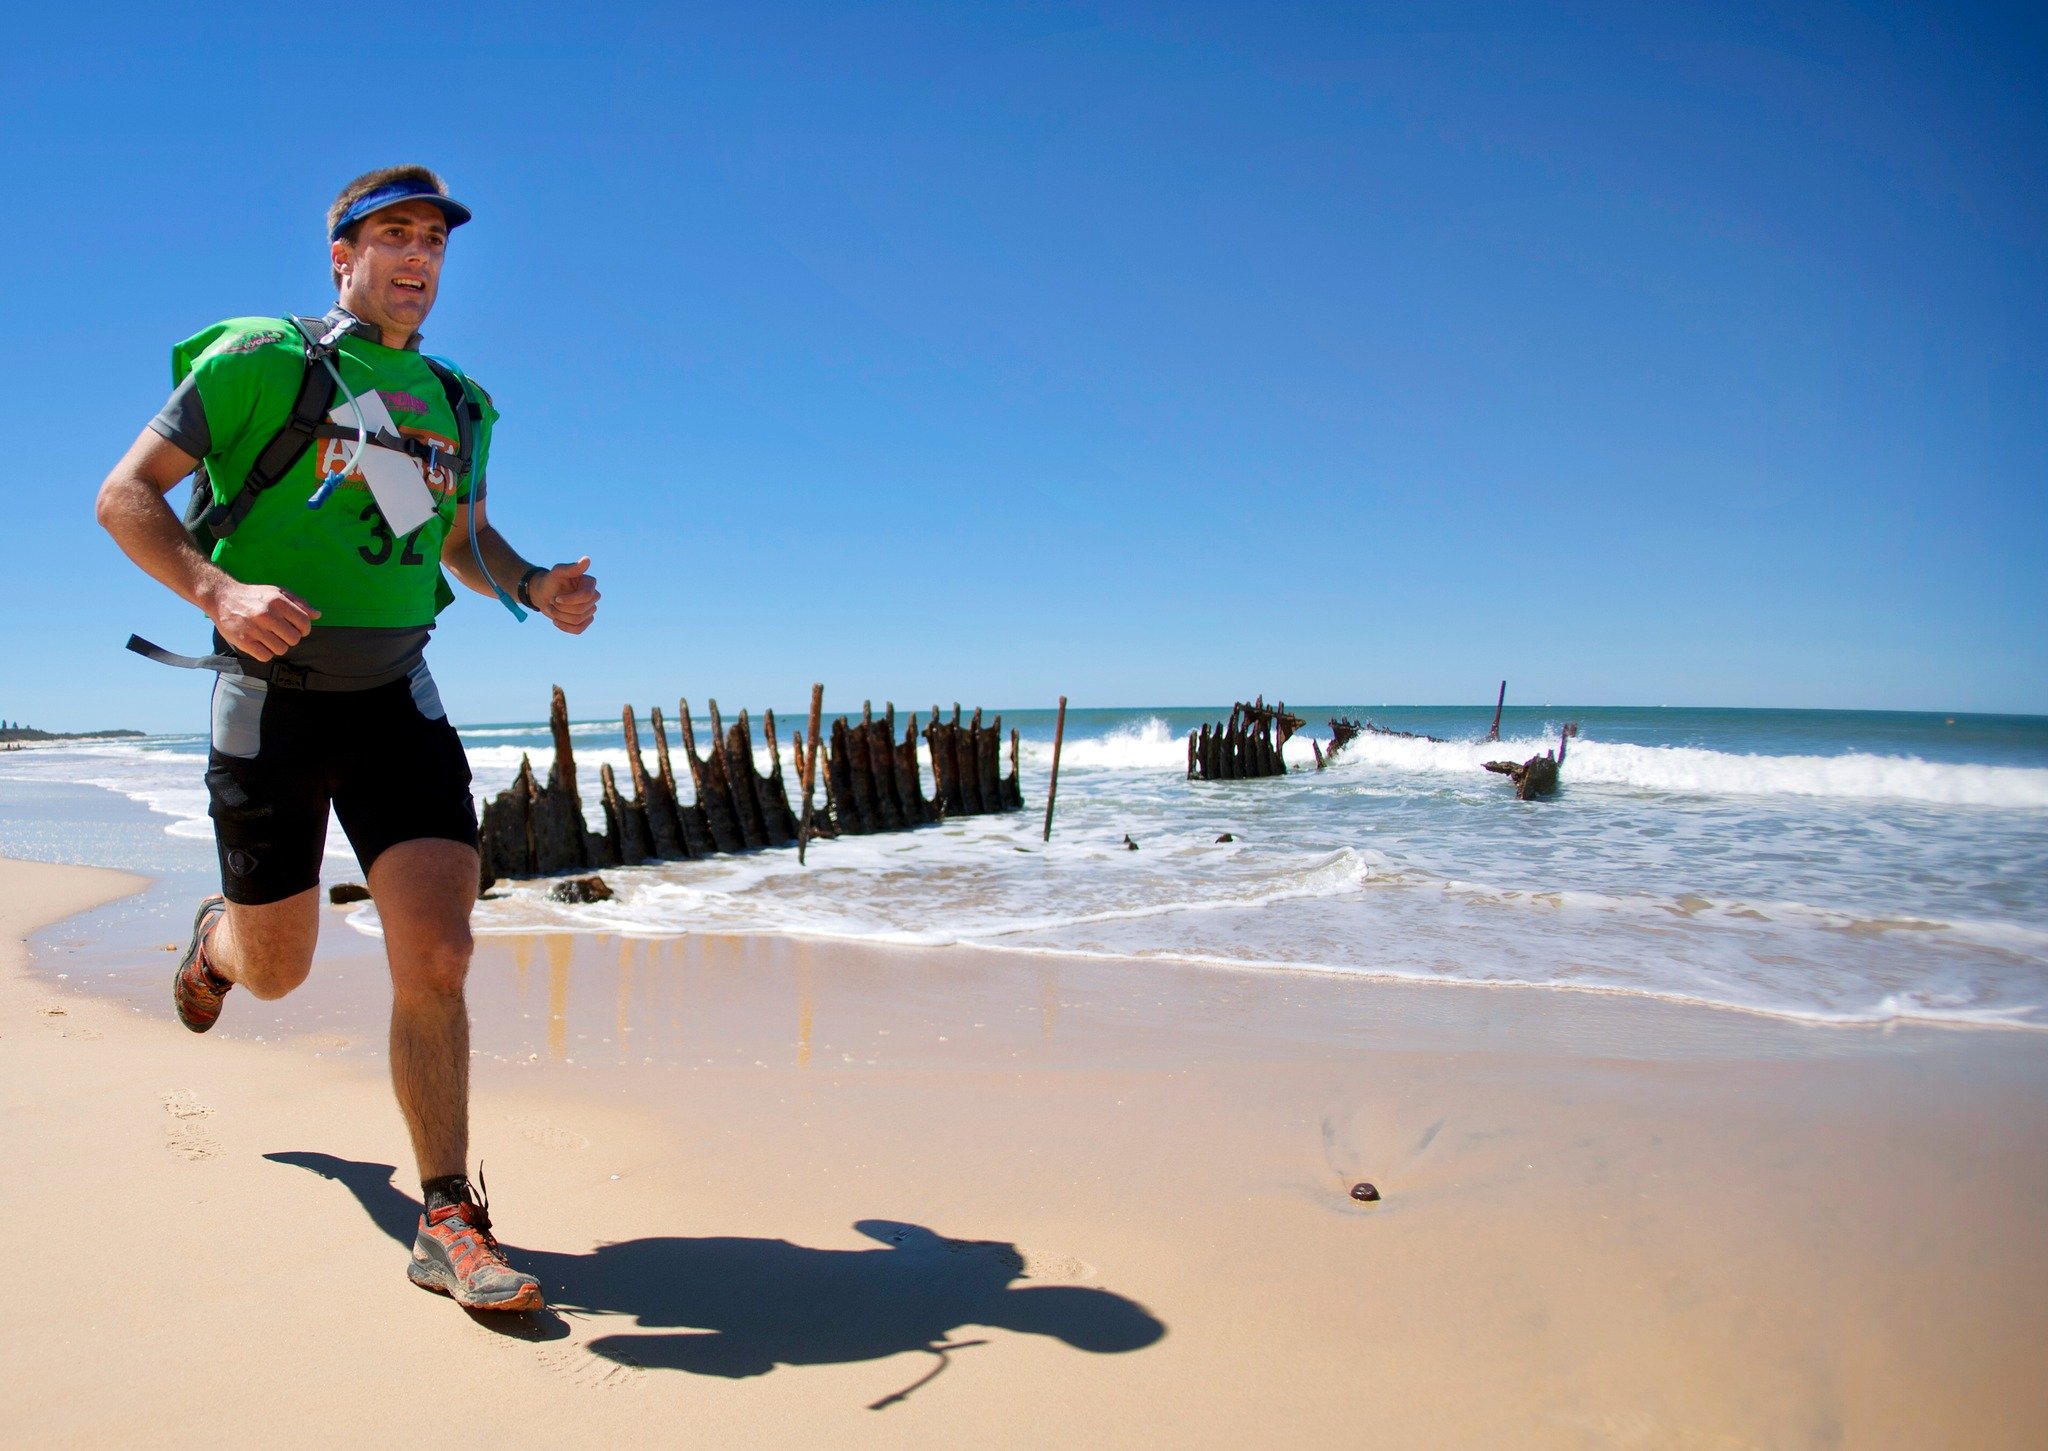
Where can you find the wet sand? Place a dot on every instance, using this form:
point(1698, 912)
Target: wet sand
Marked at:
point(788, 1191)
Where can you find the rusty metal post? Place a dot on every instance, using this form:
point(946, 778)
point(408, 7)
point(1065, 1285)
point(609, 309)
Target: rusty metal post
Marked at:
point(1494, 734)
point(803, 831)
point(1059, 735)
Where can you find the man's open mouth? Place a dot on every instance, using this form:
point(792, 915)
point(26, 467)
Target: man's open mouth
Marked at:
point(413, 284)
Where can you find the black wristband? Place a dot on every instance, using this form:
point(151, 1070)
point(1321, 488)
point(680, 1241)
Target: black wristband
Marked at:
point(526, 580)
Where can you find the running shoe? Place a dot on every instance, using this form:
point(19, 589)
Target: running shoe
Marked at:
point(195, 987)
point(455, 1254)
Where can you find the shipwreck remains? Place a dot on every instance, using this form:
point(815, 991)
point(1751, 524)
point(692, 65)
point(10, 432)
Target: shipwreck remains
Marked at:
point(1343, 731)
point(872, 783)
point(1537, 777)
point(1246, 746)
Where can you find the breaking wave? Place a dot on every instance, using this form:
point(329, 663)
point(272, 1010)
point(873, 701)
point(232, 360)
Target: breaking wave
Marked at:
point(1694, 771)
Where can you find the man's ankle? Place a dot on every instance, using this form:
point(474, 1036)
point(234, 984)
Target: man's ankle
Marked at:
point(210, 964)
point(444, 1190)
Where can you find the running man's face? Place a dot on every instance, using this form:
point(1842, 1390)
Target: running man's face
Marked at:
point(392, 271)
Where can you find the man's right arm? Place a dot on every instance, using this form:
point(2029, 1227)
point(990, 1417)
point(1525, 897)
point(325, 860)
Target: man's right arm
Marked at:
point(260, 620)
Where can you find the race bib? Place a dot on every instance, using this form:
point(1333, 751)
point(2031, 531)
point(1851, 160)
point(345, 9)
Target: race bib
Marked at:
point(394, 478)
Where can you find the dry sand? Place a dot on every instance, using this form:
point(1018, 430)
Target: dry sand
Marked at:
point(770, 1183)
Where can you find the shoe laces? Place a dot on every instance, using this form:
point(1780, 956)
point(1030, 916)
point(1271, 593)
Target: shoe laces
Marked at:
point(478, 1212)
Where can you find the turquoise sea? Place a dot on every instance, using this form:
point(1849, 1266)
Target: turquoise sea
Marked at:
point(1834, 866)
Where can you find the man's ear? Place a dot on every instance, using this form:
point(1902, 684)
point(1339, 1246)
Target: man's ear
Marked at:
point(342, 255)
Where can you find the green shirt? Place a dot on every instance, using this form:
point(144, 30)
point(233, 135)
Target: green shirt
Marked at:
point(339, 558)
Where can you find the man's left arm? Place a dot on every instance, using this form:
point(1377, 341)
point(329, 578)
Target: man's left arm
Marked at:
point(566, 593)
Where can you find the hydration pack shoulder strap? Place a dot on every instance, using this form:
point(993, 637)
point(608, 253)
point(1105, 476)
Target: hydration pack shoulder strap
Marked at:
point(467, 413)
point(286, 447)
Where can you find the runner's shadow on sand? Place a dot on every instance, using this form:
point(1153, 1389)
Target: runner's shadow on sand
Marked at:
point(745, 1306)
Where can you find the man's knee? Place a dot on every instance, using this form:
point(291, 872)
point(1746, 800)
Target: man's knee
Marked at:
point(269, 949)
point(434, 967)
point(272, 977)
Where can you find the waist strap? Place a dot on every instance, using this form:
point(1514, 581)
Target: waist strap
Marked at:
point(281, 674)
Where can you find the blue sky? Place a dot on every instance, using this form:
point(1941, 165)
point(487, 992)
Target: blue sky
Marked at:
point(1148, 355)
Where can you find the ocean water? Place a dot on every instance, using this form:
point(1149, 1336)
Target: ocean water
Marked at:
point(1830, 866)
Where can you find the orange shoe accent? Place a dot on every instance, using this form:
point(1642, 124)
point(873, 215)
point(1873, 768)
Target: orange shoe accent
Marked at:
point(196, 989)
point(455, 1254)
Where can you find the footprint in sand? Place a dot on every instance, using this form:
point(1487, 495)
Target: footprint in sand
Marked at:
point(1055, 1268)
point(592, 1372)
point(550, 1135)
point(188, 1142)
point(184, 1103)
point(186, 1135)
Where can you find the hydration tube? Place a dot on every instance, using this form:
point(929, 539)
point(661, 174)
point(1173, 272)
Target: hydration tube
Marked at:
point(333, 481)
point(476, 498)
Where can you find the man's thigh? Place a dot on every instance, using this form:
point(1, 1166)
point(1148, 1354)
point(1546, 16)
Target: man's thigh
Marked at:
point(402, 775)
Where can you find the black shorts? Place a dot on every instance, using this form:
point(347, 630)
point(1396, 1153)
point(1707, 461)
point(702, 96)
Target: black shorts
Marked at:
point(387, 759)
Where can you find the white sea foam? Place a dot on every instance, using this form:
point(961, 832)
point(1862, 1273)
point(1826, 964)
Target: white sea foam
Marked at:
point(1690, 770)
point(1148, 744)
point(1849, 887)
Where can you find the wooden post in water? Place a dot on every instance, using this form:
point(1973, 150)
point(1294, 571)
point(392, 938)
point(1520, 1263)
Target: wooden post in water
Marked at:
point(696, 836)
point(803, 831)
point(559, 843)
point(733, 757)
point(712, 794)
point(1059, 735)
point(1501, 700)
point(881, 769)
point(774, 798)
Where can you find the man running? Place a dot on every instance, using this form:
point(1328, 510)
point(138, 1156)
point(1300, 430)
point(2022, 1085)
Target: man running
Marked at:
point(319, 562)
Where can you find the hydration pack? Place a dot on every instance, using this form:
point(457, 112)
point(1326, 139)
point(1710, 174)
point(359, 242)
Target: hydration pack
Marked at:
point(209, 520)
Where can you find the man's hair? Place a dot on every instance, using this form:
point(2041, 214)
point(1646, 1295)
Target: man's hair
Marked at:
point(370, 181)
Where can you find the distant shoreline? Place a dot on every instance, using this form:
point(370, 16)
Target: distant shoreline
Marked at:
point(15, 734)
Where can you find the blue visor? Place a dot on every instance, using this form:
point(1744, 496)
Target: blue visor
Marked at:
point(399, 191)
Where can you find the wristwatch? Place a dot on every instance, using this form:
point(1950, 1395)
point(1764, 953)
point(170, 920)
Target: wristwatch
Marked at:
point(525, 583)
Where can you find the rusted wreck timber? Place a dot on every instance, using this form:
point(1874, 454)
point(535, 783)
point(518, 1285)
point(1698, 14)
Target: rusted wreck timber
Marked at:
point(1380, 730)
point(690, 820)
point(1536, 777)
point(1245, 747)
point(967, 766)
point(871, 778)
point(1343, 731)
point(713, 796)
point(533, 830)
point(529, 823)
point(873, 782)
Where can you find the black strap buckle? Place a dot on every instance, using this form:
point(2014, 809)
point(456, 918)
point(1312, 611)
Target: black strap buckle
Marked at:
point(286, 676)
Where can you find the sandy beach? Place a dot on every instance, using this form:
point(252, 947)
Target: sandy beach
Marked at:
point(786, 1192)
